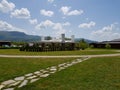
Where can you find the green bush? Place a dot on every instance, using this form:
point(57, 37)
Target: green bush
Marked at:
point(107, 46)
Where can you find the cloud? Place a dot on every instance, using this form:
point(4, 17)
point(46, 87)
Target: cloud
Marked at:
point(4, 26)
point(75, 12)
point(66, 24)
point(48, 24)
point(59, 28)
point(46, 13)
point(33, 21)
point(6, 6)
point(87, 25)
point(22, 13)
point(51, 1)
point(106, 33)
point(44, 24)
point(66, 11)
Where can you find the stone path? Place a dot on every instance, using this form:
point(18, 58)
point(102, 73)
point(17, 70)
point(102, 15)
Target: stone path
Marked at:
point(21, 81)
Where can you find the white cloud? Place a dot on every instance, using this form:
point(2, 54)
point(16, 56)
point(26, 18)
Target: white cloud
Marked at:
point(58, 27)
point(51, 1)
point(21, 13)
point(87, 25)
point(66, 11)
point(6, 6)
point(75, 12)
point(66, 24)
point(44, 24)
point(46, 13)
point(33, 21)
point(4, 26)
point(106, 33)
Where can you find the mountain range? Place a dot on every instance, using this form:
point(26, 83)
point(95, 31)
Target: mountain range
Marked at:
point(16, 36)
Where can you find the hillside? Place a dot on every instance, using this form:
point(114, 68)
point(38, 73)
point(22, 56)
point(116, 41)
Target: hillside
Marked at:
point(17, 36)
point(21, 36)
point(88, 41)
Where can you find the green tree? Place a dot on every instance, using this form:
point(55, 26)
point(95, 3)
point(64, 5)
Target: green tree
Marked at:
point(48, 38)
point(91, 46)
point(107, 46)
point(83, 44)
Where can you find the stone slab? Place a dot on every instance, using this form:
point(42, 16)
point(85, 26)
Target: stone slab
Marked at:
point(53, 72)
point(61, 68)
point(44, 75)
point(9, 89)
point(37, 72)
point(19, 78)
point(14, 84)
point(60, 65)
point(23, 83)
point(31, 77)
point(34, 80)
point(8, 82)
point(53, 69)
point(30, 74)
point(1, 86)
point(45, 71)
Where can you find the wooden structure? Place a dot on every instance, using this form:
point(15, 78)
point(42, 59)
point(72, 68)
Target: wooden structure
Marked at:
point(50, 45)
point(115, 44)
point(5, 43)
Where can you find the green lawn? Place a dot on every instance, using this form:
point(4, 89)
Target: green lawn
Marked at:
point(77, 52)
point(14, 67)
point(101, 73)
point(94, 74)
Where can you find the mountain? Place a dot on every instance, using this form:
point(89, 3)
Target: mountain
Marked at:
point(22, 37)
point(86, 40)
point(17, 36)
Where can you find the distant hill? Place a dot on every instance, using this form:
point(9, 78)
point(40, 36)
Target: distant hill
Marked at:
point(88, 41)
point(17, 36)
point(22, 37)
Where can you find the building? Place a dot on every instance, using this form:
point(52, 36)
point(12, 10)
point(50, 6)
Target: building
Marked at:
point(50, 45)
point(115, 44)
point(5, 43)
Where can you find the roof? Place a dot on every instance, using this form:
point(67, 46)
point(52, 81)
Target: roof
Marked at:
point(110, 42)
point(5, 41)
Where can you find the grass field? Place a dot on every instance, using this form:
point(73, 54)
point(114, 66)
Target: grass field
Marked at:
point(78, 52)
point(94, 74)
point(13, 67)
point(101, 73)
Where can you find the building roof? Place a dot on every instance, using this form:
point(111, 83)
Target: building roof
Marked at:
point(5, 41)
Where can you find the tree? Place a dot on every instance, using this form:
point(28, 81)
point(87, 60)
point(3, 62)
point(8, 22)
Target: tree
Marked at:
point(91, 46)
point(48, 38)
point(107, 46)
point(83, 45)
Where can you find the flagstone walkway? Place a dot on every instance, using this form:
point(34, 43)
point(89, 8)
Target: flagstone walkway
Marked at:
point(21, 81)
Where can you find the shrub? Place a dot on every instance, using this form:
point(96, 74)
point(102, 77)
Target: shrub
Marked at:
point(107, 46)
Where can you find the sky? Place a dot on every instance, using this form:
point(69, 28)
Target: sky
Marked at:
point(97, 20)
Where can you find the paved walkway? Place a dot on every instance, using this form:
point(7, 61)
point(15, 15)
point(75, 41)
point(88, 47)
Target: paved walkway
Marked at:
point(63, 56)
